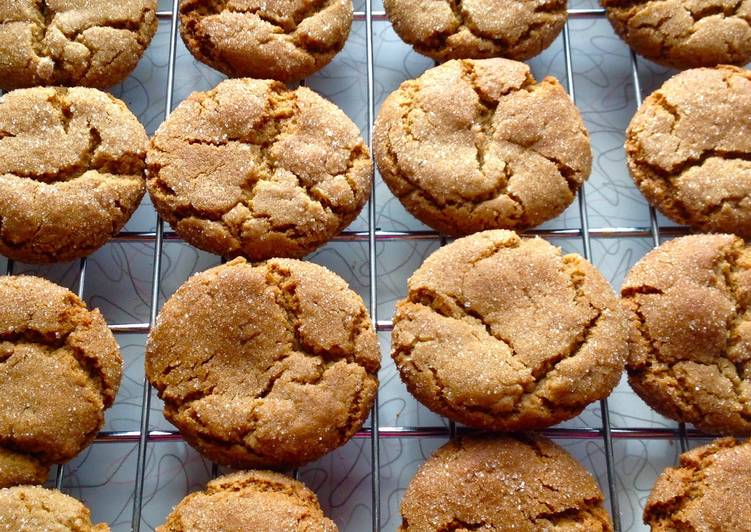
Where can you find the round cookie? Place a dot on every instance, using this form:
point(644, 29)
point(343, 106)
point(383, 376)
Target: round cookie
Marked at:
point(689, 149)
point(286, 40)
point(269, 365)
point(60, 369)
point(684, 33)
point(33, 508)
point(250, 500)
point(695, 495)
point(504, 333)
point(93, 43)
point(252, 168)
point(503, 482)
point(478, 144)
point(446, 29)
point(71, 171)
point(690, 347)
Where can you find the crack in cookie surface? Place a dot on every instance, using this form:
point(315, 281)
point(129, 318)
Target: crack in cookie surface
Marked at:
point(499, 332)
point(280, 177)
point(285, 381)
point(96, 45)
point(691, 159)
point(471, 145)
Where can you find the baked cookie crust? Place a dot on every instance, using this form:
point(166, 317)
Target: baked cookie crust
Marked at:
point(689, 149)
point(271, 365)
point(684, 33)
point(690, 347)
point(503, 482)
point(96, 43)
point(504, 333)
point(60, 370)
point(71, 171)
point(286, 40)
point(448, 29)
point(253, 168)
point(250, 500)
point(479, 144)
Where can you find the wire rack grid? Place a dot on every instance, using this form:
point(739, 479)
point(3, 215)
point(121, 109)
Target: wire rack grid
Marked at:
point(376, 432)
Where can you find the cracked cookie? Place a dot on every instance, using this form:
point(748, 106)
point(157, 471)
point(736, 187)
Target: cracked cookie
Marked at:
point(252, 168)
point(696, 494)
point(59, 369)
point(250, 500)
point(503, 482)
point(451, 29)
point(268, 365)
point(478, 144)
point(689, 149)
point(33, 508)
point(504, 333)
point(684, 33)
point(96, 43)
point(286, 40)
point(71, 171)
point(690, 347)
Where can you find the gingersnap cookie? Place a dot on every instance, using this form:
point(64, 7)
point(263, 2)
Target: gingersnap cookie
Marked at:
point(282, 40)
point(505, 333)
point(253, 168)
point(696, 494)
point(33, 508)
point(684, 33)
point(60, 368)
point(690, 347)
point(478, 144)
point(268, 365)
point(446, 29)
point(503, 482)
point(71, 171)
point(96, 43)
point(250, 500)
point(689, 149)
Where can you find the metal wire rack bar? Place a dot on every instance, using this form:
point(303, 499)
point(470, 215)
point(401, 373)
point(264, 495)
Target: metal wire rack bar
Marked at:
point(384, 236)
point(567, 433)
point(373, 236)
point(380, 16)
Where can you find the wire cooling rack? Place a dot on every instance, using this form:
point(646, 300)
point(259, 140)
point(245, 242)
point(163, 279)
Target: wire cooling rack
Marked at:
point(375, 433)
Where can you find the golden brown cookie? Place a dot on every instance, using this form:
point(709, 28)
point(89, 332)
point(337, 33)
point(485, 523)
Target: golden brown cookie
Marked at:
point(59, 369)
point(271, 365)
point(478, 144)
point(448, 29)
point(250, 500)
point(503, 482)
point(505, 333)
point(690, 347)
point(94, 43)
point(708, 491)
point(286, 40)
point(684, 33)
point(689, 149)
point(252, 168)
point(35, 509)
point(20, 468)
point(71, 171)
